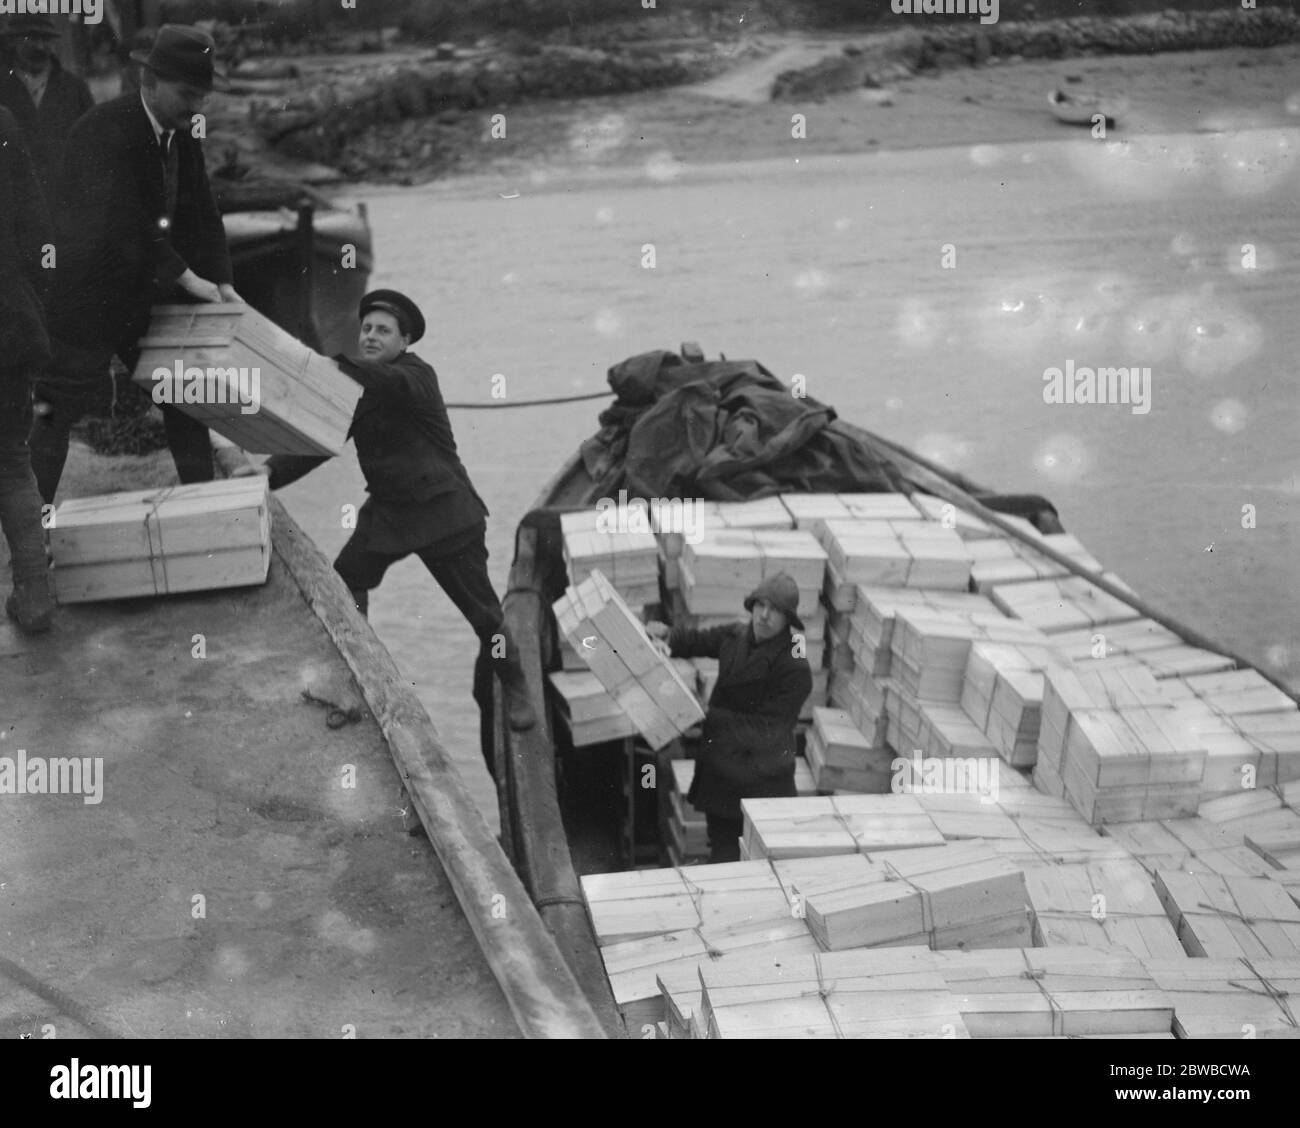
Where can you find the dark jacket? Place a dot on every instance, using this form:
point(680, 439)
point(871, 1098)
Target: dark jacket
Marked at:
point(24, 230)
point(46, 126)
point(115, 256)
point(749, 742)
point(420, 492)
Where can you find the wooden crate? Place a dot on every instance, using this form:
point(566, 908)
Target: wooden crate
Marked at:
point(1062, 604)
point(305, 401)
point(831, 995)
point(1229, 998)
point(1230, 916)
point(800, 828)
point(950, 896)
point(1055, 992)
point(635, 904)
point(1100, 905)
point(842, 758)
point(590, 713)
point(197, 537)
point(646, 684)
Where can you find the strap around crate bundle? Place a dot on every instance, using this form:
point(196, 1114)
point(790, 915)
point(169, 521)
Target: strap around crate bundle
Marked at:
point(1035, 975)
point(1248, 921)
point(927, 914)
point(152, 518)
point(824, 992)
point(1271, 990)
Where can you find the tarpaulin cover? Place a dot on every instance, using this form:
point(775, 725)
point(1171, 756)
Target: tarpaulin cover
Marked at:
point(727, 430)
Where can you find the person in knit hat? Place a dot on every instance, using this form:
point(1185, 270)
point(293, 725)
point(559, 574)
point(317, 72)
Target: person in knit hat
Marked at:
point(749, 727)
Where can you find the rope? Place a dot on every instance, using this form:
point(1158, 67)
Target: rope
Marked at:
point(527, 403)
point(150, 519)
point(1270, 989)
point(1035, 975)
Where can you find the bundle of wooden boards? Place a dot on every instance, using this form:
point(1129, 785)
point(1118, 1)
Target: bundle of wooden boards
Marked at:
point(591, 713)
point(1116, 746)
point(195, 537)
point(613, 642)
point(304, 402)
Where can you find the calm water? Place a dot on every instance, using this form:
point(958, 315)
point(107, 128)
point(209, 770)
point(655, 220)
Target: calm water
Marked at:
point(1178, 254)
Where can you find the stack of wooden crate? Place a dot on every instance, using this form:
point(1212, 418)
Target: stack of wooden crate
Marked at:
point(1005, 561)
point(628, 560)
point(952, 896)
point(719, 572)
point(842, 758)
point(304, 401)
point(187, 538)
point(1002, 693)
point(645, 684)
point(1142, 642)
point(1063, 604)
point(918, 554)
point(1116, 746)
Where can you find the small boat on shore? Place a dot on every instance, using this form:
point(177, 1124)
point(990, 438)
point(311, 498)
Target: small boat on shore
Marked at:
point(1083, 107)
point(569, 812)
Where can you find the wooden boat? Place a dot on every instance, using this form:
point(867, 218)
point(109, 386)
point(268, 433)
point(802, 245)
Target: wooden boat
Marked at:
point(562, 807)
point(287, 247)
point(1082, 108)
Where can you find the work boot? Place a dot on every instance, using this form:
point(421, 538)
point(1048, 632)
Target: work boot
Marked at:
point(30, 605)
point(519, 710)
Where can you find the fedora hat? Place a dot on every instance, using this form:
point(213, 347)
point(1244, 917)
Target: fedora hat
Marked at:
point(409, 318)
point(37, 26)
point(782, 593)
point(182, 54)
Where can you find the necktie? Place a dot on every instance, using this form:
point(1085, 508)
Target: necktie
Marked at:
point(171, 173)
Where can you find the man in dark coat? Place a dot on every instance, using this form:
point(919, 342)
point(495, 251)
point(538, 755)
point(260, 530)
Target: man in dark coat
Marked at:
point(137, 225)
point(749, 740)
point(46, 99)
point(421, 499)
point(25, 235)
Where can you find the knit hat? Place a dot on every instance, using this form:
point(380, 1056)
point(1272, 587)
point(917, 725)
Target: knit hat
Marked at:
point(782, 593)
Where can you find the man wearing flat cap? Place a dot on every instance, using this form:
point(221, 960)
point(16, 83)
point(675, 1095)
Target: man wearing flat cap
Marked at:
point(749, 727)
point(421, 499)
point(46, 99)
point(137, 225)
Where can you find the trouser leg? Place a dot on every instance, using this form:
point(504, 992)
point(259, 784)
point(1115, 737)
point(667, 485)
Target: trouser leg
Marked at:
point(724, 838)
point(48, 444)
point(190, 444)
point(361, 569)
point(459, 564)
point(20, 508)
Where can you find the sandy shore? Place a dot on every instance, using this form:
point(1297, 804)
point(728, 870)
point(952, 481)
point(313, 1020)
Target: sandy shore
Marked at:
point(731, 118)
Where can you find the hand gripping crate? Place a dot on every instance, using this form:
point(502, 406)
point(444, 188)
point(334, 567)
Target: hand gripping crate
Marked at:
point(303, 402)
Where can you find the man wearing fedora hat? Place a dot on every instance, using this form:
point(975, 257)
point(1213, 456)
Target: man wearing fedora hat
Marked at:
point(137, 225)
point(749, 739)
point(46, 99)
point(421, 499)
